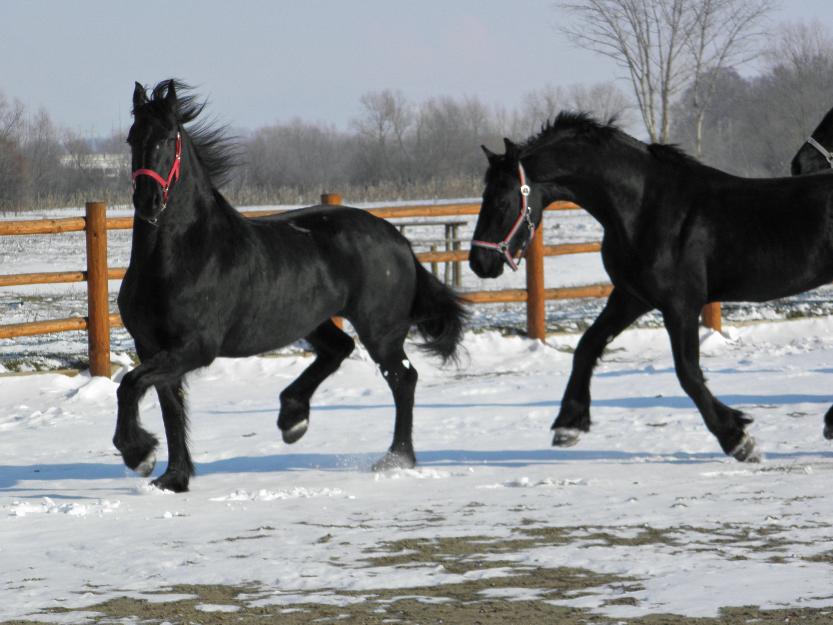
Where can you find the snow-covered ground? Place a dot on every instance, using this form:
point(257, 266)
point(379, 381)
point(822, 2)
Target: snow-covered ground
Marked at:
point(645, 508)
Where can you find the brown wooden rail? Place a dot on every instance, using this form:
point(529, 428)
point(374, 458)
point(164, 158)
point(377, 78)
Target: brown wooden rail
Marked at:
point(99, 321)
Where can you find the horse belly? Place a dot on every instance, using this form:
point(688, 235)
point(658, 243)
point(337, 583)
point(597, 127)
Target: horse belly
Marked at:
point(280, 313)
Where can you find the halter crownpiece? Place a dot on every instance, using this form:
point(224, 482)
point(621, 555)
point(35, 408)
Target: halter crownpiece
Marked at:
point(172, 175)
point(525, 215)
point(824, 152)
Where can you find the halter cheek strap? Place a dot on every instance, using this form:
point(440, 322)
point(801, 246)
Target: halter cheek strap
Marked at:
point(525, 215)
point(824, 152)
point(172, 175)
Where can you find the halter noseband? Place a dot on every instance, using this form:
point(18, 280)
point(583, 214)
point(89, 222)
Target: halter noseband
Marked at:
point(525, 215)
point(165, 184)
point(822, 150)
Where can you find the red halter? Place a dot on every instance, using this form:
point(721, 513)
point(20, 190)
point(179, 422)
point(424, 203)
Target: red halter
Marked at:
point(525, 215)
point(173, 175)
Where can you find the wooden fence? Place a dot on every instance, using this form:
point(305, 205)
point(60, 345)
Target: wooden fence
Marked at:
point(100, 320)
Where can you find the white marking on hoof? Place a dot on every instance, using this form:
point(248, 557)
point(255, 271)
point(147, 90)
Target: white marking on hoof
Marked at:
point(566, 437)
point(406, 363)
point(146, 466)
point(747, 450)
point(295, 432)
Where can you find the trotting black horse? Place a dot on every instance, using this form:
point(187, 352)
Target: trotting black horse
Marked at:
point(204, 281)
point(815, 154)
point(677, 235)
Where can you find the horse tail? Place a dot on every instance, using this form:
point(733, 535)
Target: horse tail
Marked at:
point(439, 314)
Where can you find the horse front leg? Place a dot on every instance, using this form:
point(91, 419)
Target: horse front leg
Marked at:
point(163, 369)
point(573, 417)
point(175, 418)
point(727, 424)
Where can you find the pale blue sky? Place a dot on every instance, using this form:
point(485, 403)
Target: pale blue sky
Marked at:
point(262, 61)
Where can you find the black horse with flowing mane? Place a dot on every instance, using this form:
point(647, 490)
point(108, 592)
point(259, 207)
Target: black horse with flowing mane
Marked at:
point(204, 281)
point(677, 235)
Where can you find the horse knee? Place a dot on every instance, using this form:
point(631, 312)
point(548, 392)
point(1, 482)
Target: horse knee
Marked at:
point(401, 376)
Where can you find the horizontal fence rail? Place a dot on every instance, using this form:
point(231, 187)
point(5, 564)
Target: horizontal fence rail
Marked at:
point(100, 320)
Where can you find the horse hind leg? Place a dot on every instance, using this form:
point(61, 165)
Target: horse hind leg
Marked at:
point(727, 425)
point(332, 346)
point(401, 377)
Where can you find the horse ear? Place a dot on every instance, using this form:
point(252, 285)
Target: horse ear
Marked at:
point(170, 97)
point(511, 148)
point(491, 156)
point(139, 96)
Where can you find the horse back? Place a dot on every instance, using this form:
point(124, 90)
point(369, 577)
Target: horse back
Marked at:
point(767, 238)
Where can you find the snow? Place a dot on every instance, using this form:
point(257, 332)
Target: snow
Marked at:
point(77, 528)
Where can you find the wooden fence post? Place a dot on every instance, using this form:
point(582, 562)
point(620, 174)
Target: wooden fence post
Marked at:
point(711, 316)
point(536, 327)
point(98, 304)
point(333, 199)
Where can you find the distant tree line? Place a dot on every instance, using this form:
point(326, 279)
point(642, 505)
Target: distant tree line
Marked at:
point(397, 149)
point(755, 125)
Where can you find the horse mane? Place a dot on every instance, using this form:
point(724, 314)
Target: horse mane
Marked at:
point(577, 122)
point(582, 124)
point(216, 149)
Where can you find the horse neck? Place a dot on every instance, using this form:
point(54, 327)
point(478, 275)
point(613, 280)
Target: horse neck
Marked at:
point(610, 188)
point(192, 204)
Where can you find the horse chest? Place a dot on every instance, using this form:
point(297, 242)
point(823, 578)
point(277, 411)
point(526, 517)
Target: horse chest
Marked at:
point(156, 310)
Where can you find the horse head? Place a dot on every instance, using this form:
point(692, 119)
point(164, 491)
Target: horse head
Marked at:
point(155, 140)
point(510, 212)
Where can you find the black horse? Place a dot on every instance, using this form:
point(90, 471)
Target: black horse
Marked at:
point(815, 154)
point(677, 235)
point(204, 281)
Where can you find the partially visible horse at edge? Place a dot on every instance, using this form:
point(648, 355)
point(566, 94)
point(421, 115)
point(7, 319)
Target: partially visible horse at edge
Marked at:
point(204, 281)
point(677, 235)
point(815, 154)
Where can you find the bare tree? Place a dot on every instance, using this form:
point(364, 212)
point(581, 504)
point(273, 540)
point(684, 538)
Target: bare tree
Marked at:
point(383, 122)
point(725, 35)
point(656, 42)
point(12, 160)
point(604, 100)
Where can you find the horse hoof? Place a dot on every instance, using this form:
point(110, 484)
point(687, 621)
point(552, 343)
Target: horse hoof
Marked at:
point(171, 482)
point(294, 433)
point(146, 466)
point(828, 432)
point(746, 450)
point(393, 460)
point(565, 437)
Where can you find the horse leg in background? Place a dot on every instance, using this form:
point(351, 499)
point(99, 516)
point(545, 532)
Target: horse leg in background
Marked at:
point(180, 467)
point(332, 345)
point(573, 418)
point(164, 368)
point(828, 424)
point(387, 352)
point(725, 423)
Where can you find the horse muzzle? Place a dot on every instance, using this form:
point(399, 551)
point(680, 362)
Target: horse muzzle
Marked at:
point(485, 263)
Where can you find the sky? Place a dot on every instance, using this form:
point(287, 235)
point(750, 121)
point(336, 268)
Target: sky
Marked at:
point(261, 62)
